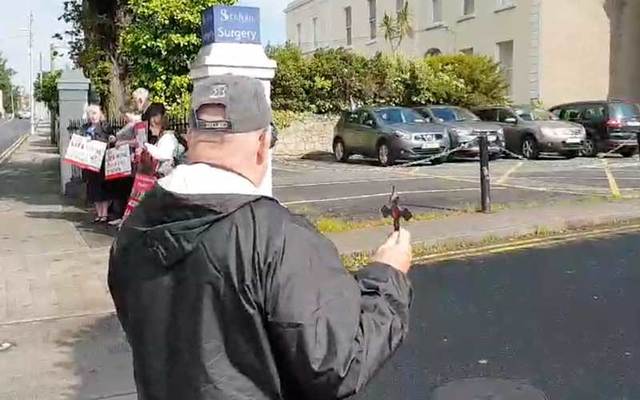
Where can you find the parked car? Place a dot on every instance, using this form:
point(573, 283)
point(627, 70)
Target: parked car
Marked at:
point(609, 125)
point(389, 134)
point(24, 115)
point(464, 126)
point(531, 131)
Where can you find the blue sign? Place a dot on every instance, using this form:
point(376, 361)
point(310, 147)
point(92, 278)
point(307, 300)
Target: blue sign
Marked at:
point(231, 24)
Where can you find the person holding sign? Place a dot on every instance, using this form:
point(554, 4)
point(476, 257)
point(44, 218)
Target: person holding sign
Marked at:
point(99, 191)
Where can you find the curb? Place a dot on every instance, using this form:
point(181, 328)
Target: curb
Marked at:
point(7, 153)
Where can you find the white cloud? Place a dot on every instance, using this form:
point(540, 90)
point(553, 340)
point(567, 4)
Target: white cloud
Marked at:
point(273, 18)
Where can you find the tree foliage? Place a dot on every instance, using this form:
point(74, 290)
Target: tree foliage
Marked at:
point(6, 86)
point(333, 80)
point(397, 28)
point(46, 89)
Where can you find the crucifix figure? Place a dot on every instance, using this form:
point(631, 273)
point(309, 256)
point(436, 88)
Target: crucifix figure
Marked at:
point(394, 211)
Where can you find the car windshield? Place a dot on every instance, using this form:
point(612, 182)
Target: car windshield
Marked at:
point(454, 114)
point(624, 110)
point(399, 116)
point(535, 114)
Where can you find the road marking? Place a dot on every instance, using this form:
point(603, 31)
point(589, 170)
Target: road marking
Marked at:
point(389, 179)
point(366, 196)
point(507, 174)
point(613, 185)
point(7, 153)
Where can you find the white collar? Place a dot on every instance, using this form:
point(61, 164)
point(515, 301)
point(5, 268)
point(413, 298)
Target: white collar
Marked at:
point(206, 179)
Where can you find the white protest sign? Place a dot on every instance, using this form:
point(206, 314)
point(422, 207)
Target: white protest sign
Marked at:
point(117, 163)
point(85, 153)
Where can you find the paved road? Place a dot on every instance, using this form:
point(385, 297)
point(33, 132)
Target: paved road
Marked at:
point(358, 189)
point(561, 321)
point(10, 131)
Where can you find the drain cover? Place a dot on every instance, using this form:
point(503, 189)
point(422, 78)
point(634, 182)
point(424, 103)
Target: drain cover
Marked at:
point(488, 389)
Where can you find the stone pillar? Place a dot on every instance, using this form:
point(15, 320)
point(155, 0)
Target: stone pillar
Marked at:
point(73, 91)
point(222, 55)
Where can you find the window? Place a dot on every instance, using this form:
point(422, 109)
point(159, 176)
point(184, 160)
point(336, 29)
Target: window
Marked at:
point(504, 3)
point(353, 118)
point(505, 59)
point(399, 5)
point(373, 24)
point(488, 114)
point(315, 33)
point(299, 33)
point(347, 15)
point(434, 51)
point(467, 51)
point(468, 7)
point(504, 114)
point(436, 11)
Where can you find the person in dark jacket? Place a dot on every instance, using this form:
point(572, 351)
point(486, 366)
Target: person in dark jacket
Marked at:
point(100, 192)
point(223, 293)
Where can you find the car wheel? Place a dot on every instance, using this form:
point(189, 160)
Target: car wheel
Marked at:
point(530, 148)
point(339, 151)
point(571, 154)
point(590, 149)
point(627, 153)
point(384, 155)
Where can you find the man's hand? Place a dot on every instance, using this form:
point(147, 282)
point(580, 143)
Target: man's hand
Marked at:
point(112, 139)
point(396, 251)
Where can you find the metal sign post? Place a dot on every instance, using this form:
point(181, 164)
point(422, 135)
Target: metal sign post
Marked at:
point(485, 178)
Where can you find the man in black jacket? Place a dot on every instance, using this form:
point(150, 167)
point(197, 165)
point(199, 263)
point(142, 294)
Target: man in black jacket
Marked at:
point(224, 294)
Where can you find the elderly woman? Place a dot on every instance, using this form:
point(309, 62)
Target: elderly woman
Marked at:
point(99, 191)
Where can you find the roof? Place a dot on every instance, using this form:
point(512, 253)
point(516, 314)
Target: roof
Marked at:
point(296, 4)
point(574, 103)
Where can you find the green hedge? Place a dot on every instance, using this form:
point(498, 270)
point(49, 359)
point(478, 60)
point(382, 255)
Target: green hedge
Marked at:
point(331, 79)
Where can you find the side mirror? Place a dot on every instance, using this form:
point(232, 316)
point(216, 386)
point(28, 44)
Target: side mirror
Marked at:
point(511, 120)
point(369, 123)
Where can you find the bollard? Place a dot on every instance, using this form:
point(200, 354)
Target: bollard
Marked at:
point(485, 178)
point(638, 136)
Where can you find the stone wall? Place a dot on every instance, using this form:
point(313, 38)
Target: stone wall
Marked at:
point(312, 135)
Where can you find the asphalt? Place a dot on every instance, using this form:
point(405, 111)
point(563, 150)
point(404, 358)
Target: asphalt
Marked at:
point(548, 323)
point(10, 131)
point(357, 190)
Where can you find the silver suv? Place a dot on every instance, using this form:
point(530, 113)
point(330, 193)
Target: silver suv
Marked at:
point(388, 134)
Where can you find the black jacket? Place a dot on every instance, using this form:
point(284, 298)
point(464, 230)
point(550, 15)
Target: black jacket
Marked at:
point(233, 297)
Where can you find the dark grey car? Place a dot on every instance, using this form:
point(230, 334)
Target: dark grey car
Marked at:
point(530, 131)
point(464, 127)
point(388, 134)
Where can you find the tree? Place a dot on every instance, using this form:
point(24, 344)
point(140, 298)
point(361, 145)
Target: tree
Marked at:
point(6, 86)
point(397, 28)
point(159, 43)
point(46, 89)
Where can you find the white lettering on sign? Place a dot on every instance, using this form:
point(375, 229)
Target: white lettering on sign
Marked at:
point(218, 91)
point(237, 34)
point(228, 15)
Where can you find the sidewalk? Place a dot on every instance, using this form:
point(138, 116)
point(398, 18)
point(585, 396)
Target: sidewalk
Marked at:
point(54, 304)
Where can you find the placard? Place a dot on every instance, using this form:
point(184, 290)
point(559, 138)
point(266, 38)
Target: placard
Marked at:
point(85, 153)
point(231, 24)
point(117, 163)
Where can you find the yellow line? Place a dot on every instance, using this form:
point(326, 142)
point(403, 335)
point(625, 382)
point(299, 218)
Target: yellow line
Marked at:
point(613, 185)
point(526, 243)
point(506, 176)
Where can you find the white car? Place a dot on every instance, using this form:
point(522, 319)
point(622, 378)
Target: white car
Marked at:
point(24, 115)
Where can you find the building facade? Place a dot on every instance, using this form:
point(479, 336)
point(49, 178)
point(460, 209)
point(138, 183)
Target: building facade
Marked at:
point(552, 51)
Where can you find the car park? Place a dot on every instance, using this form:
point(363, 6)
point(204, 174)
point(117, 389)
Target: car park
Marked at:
point(388, 134)
point(610, 125)
point(532, 131)
point(464, 128)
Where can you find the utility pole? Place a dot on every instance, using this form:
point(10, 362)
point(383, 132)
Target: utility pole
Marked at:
point(13, 104)
point(31, 97)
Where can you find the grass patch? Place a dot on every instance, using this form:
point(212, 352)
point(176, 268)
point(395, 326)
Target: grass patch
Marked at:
point(355, 261)
point(339, 225)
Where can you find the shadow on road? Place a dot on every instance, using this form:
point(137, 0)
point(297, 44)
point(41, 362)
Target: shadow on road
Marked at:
point(101, 362)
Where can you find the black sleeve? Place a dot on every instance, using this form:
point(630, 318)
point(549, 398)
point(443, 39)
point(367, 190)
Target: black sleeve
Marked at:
point(331, 331)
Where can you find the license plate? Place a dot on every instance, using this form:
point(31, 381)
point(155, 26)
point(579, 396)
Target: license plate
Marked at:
point(432, 145)
point(573, 140)
point(633, 123)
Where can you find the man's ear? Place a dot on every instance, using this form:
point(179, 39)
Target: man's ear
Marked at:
point(264, 144)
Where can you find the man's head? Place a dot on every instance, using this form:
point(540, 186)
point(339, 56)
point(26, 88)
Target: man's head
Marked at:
point(141, 99)
point(229, 125)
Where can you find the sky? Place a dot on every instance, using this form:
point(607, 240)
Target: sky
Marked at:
point(14, 20)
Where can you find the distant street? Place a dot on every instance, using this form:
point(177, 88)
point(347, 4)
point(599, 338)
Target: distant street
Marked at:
point(10, 131)
point(563, 321)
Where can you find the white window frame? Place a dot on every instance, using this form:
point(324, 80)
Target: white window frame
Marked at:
point(468, 51)
point(435, 20)
point(464, 7)
point(507, 71)
point(373, 20)
point(314, 21)
point(505, 3)
point(348, 15)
